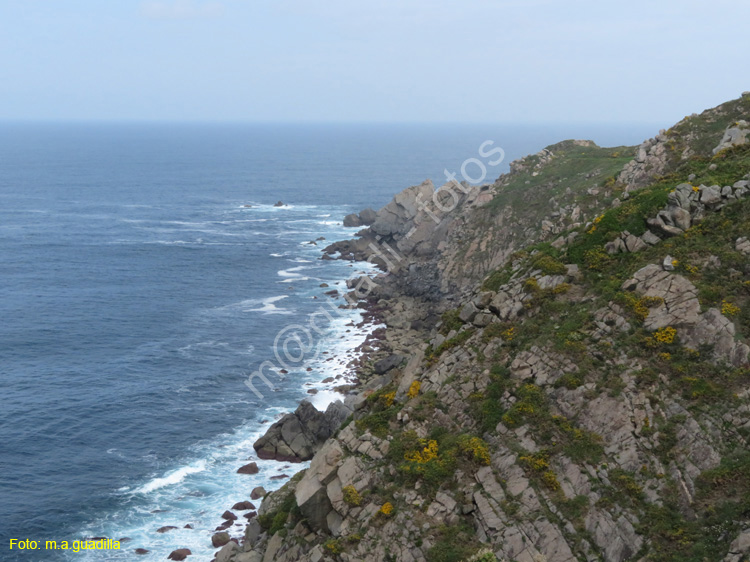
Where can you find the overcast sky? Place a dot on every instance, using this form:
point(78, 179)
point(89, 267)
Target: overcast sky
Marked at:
point(383, 60)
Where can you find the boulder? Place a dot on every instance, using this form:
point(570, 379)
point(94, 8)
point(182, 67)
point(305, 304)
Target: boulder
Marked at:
point(257, 493)
point(220, 539)
point(179, 554)
point(352, 220)
point(227, 552)
point(468, 312)
point(166, 529)
point(243, 506)
point(251, 468)
point(279, 204)
point(367, 217)
point(297, 436)
point(141, 551)
point(384, 365)
point(229, 516)
point(650, 238)
point(483, 299)
point(710, 196)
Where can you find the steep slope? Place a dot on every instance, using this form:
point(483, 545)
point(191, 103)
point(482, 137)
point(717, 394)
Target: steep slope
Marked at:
point(585, 393)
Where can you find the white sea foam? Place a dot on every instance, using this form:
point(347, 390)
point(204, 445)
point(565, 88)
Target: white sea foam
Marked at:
point(173, 477)
point(268, 306)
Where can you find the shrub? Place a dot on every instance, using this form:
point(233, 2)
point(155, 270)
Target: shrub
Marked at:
point(538, 465)
point(596, 259)
point(333, 546)
point(428, 453)
point(386, 509)
point(729, 309)
point(665, 335)
point(475, 449)
point(549, 265)
point(531, 285)
point(451, 321)
point(351, 496)
point(413, 391)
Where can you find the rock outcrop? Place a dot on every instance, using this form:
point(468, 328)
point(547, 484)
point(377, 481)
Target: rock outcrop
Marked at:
point(297, 436)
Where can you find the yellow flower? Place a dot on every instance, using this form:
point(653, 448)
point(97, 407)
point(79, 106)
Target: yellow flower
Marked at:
point(386, 509)
point(665, 335)
point(729, 309)
point(414, 389)
point(425, 455)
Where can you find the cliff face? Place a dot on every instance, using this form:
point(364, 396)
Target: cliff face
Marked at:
point(575, 382)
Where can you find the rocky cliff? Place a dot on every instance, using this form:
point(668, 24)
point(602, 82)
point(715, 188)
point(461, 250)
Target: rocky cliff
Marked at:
point(572, 378)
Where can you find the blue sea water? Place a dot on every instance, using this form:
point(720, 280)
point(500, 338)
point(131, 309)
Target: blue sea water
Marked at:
point(138, 292)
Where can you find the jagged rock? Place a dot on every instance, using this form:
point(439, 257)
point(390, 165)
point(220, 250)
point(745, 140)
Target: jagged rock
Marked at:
point(735, 135)
point(396, 215)
point(279, 204)
point(296, 436)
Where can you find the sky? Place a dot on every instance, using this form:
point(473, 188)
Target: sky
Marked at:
point(530, 61)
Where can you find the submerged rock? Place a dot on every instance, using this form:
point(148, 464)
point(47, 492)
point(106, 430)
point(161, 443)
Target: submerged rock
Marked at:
point(251, 468)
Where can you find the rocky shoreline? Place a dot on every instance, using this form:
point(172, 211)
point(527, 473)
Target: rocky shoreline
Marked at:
point(298, 435)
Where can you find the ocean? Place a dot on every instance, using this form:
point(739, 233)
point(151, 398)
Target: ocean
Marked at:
point(145, 274)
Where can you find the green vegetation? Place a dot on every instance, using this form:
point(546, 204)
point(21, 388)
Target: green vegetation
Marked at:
point(721, 502)
point(454, 544)
point(572, 166)
point(451, 321)
point(432, 355)
point(276, 520)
